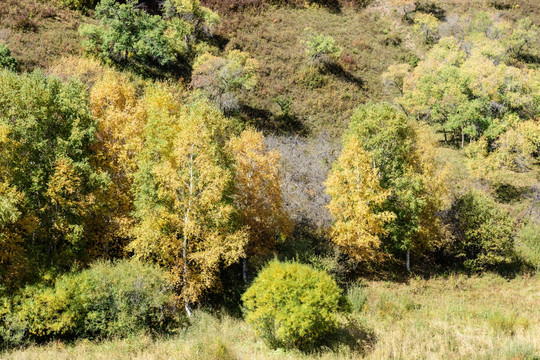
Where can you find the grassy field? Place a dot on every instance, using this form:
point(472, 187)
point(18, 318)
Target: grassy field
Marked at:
point(486, 317)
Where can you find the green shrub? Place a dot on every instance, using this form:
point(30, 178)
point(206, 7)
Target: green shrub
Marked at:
point(483, 233)
point(6, 60)
point(109, 299)
point(321, 49)
point(311, 79)
point(292, 305)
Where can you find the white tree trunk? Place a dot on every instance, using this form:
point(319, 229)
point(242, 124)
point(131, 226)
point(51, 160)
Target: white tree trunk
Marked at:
point(187, 307)
point(185, 242)
point(408, 260)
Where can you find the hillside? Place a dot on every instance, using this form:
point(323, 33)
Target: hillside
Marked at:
point(269, 179)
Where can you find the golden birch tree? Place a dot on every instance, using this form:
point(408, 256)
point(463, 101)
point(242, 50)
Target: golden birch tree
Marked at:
point(257, 194)
point(120, 123)
point(353, 184)
point(187, 221)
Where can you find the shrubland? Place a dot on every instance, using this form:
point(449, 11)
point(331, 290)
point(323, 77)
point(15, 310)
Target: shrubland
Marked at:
point(345, 176)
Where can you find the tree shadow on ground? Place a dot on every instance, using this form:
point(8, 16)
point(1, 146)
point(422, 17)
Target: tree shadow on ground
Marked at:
point(429, 7)
point(529, 58)
point(338, 71)
point(352, 335)
point(267, 121)
point(332, 6)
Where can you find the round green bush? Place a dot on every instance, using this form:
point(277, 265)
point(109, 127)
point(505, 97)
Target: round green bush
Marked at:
point(292, 305)
point(106, 300)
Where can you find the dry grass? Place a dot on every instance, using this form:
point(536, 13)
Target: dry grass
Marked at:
point(319, 100)
point(37, 32)
point(485, 317)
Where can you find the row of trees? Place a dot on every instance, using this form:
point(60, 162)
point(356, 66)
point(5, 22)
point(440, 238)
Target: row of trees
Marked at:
point(169, 177)
point(150, 170)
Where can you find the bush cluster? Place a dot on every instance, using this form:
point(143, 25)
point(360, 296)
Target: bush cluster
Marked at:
point(106, 300)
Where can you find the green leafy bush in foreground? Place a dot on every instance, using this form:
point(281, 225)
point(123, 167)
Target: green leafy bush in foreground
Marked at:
point(107, 300)
point(292, 305)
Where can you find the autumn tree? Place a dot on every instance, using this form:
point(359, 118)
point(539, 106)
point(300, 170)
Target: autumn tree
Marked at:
point(188, 23)
point(321, 49)
point(183, 194)
point(12, 228)
point(46, 176)
point(356, 201)
point(257, 194)
point(120, 119)
point(403, 156)
point(427, 26)
point(395, 76)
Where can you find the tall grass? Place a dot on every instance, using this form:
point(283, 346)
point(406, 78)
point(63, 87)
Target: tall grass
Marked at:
point(457, 317)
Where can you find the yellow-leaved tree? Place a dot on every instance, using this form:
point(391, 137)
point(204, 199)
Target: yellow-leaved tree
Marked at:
point(183, 194)
point(353, 184)
point(120, 123)
point(402, 187)
point(257, 194)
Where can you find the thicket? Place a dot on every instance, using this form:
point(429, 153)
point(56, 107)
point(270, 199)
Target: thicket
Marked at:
point(104, 301)
point(483, 233)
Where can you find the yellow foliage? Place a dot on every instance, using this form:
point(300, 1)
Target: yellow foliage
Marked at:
point(12, 259)
point(516, 148)
point(182, 185)
point(121, 120)
point(356, 195)
point(434, 180)
point(87, 70)
point(258, 192)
